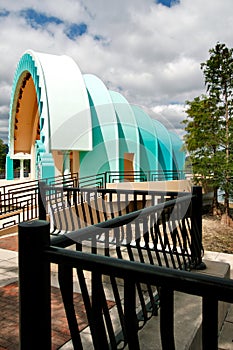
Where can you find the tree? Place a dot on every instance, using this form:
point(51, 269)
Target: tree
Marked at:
point(202, 139)
point(209, 125)
point(3, 152)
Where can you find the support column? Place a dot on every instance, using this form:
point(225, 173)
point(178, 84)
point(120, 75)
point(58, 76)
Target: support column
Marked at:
point(9, 168)
point(66, 163)
point(76, 162)
point(33, 163)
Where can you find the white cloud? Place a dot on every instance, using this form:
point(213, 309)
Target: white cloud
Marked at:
point(171, 116)
point(149, 52)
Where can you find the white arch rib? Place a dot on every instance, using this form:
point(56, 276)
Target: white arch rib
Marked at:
point(67, 107)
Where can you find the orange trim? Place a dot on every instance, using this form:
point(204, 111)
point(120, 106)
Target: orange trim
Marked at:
point(26, 125)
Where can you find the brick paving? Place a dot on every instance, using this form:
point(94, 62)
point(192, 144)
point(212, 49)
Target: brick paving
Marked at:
point(9, 242)
point(9, 306)
point(9, 318)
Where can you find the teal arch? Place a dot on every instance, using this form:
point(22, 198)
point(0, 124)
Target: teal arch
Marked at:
point(148, 140)
point(178, 154)
point(165, 162)
point(114, 127)
point(26, 65)
point(128, 130)
point(104, 156)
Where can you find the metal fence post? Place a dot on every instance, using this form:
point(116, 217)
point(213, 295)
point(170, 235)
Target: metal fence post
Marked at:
point(196, 224)
point(34, 286)
point(42, 200)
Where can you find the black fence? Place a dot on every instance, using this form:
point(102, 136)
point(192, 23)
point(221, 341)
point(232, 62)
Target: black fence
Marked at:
point(167, 234)
point(19, 201)
point(170, 222)
point(178, 238)
point(140, 289)
point(100, 180)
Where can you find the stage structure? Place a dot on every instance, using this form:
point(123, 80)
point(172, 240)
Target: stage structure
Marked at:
point(64, 121)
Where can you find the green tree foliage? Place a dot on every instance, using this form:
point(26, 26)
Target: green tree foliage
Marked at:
point(209, 125)
point(202, 140)
point(3, 152)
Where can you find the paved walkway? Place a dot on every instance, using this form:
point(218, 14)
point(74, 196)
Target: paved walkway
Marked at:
point(9, 333)
point(9, 301)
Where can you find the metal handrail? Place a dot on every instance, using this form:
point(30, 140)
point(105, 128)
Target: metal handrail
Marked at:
point(23, 195)
point(34, 276)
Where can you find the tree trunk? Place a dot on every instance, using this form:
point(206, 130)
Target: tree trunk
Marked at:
point(215, 204)
point(226, 217)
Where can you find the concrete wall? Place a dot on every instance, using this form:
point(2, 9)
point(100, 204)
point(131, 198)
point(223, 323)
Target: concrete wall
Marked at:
point(173, 185)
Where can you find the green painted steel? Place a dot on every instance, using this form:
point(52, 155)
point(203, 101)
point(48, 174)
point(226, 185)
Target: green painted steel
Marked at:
point(148, 140)
point(104, 156)
point(178, 153)
point(128, 131)
point(164, 148)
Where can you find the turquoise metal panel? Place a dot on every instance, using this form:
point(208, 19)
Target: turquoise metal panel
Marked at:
point(164, 148)
point(178, 153)
point(105, 153)
point(44, 162)
point(129, 141)
point(148, 140)
point(117, 128)
point(9, 168)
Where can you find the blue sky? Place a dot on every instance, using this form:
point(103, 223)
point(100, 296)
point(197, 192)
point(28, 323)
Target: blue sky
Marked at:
point(39, 20)
point(148, 50)
point(168, 3)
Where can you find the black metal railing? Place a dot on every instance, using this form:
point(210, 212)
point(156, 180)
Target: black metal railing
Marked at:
point(18, 201)
point(124, 278)
point(167, 234)
point(142, 176)
point(71, 209)
point(100, 180)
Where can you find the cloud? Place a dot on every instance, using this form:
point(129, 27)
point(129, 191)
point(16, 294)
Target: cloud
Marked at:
point(149, 51)
point(171, 116)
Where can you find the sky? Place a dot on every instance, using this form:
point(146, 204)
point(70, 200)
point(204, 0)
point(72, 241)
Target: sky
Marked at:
point(150, 51)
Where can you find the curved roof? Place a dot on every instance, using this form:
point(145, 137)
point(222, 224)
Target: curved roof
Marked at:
point(178, 154)
point(148, 140)
point(104, 120)
point(164, 142)
point(62, 99)
point(127, 127)
point(55, 107)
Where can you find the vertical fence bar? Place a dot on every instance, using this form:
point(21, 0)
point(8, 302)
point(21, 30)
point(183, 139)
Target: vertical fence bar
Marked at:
point(197, 207)
point(34, 286)
point(210, 323)
point(97, 325)
point(131, 325)
point(166, 296)
point(42, 200)
point(196, 227)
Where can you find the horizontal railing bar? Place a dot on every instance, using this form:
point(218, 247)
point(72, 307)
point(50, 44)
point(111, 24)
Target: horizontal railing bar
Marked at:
point(118, 191)
point(178, 280)
point(120, 220)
